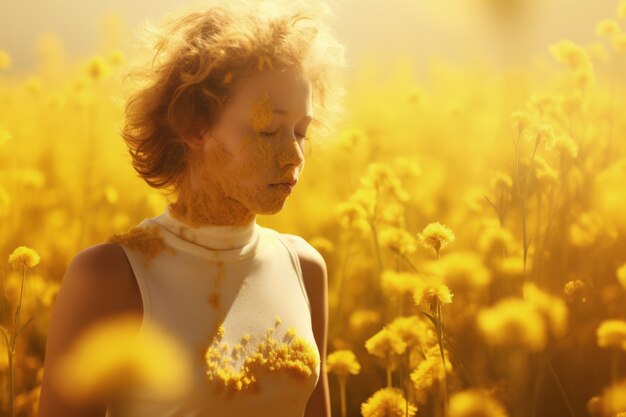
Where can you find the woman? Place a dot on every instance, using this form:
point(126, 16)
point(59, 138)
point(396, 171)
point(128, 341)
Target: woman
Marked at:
point(221, 122)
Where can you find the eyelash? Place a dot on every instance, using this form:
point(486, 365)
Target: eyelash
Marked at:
point(273, 133)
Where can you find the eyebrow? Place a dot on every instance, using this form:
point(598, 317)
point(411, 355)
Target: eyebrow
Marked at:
point(286, 113)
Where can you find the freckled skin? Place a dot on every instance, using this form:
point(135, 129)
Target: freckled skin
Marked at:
point(232, 163)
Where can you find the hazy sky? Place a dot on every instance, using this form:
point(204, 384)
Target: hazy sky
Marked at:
point(422, 29)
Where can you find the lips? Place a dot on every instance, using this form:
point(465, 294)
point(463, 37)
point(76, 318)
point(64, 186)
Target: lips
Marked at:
point(291, 182)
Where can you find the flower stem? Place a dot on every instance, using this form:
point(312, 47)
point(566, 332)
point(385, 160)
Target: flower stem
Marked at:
point(443, 358)
point(11, 347)
point(342, 394)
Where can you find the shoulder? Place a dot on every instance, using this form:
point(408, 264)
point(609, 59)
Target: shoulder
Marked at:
point(309, 257)
point(102, 276)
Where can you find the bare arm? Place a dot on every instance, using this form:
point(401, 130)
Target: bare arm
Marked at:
point(96, 286)
point(316, 282)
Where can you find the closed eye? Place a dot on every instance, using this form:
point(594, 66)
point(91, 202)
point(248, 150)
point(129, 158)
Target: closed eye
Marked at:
point(303, 137)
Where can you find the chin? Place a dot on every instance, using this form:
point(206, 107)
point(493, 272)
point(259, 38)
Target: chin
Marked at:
point(269, 209)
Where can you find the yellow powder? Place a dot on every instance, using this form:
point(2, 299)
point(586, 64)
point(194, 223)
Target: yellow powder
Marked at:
point(146, 240)
point(227, 78)
point(261, 116)
point(295, 357)
point(214, 300)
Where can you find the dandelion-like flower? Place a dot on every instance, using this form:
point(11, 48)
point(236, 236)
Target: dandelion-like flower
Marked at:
point(411, 330)
point(385, 344)
point(612, 333)
point(513, 322)
point(399, 283)
point(387, 402)
point(112, 355)
point(432, 293)
point(607, 28)
point(24, 257)
point(437, 236)
point(342, 363)
point(613, 399)
point(475, 403)
point(552, 308)
point(430, 370)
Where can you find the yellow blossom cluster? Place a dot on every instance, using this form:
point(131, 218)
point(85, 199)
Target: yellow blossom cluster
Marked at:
point(24, 257)
point(387, 402)
point(293, 356)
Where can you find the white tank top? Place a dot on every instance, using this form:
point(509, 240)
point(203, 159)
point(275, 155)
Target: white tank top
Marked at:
point(236, 296)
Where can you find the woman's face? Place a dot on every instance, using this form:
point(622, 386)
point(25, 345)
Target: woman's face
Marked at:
point(258, 141)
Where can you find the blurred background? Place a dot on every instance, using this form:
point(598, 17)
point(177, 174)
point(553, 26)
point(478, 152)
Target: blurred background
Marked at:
point(475, 240)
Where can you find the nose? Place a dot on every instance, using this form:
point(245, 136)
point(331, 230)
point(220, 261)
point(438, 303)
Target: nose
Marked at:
point(291, 153)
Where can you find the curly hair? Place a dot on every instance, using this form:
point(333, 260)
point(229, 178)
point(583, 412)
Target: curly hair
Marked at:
point(191, 59)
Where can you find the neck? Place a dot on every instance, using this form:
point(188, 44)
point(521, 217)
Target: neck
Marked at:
point(208, 206)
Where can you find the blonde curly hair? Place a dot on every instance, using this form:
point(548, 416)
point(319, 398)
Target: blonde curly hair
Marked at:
point(193, 56)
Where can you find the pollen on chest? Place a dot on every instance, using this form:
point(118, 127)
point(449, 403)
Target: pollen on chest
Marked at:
point(243, 366)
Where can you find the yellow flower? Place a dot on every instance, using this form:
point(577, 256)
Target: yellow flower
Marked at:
point(352, 216)
point(97, 68)
point(475, 403)
point(399, 283)
point(612, 333)
point(112, 356)
point(621, 275)
point(361, 320)
point(5, 136)
point(430, 293)
point(619, 42)
point(552, 308)
point(342, 363)
point(5, 59)
point(576, 291)
point(24, 257)
point(385, 344)
point(461, 271)
point(397, 239)
point(495, 240)
point(520, 120)
point(607, 28)
point(430, 370)
point(513, 322)
point(436, 235)
point(614, 399)
point(570, 54)
point(387, 402)
point(116, 57)
point(411, 330)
